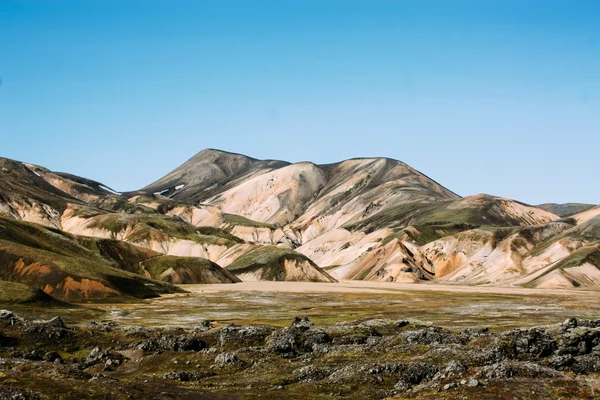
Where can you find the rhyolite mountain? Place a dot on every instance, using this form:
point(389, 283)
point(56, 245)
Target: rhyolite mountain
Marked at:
point(223, 217)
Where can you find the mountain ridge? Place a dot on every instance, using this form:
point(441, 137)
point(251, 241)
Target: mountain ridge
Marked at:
point(373, 218)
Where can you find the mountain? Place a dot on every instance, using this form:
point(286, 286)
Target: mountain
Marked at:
point(567, 209)
point(372, 218)
point(308, 198)
point(208, 172)
point(221, 217)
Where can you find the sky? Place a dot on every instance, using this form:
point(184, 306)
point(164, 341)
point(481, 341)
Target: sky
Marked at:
point(498, 97)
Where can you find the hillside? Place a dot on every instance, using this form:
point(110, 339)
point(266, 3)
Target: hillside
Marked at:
point(271, 263)
point(54, 262)
point(75, 269)
point(566, 210)
point(24, 194)
point(83, 189)
point(17, 293)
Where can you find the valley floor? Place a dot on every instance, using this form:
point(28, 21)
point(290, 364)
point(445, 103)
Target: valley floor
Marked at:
point(275, 303)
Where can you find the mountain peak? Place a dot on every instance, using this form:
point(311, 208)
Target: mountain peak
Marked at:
point(208, 171)
point(211, 153)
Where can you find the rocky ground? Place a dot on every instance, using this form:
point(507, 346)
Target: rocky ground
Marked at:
point(375, 358)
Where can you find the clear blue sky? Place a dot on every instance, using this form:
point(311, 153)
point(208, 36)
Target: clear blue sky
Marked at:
point(500, 97)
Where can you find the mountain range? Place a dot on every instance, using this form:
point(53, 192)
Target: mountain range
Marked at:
point(223, 218)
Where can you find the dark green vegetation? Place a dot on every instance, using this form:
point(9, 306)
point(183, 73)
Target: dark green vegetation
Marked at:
point(148, 227)
point(362, 359)
point(589, 230)
point(55, 262)
point(17, 293)
point(268, 263)
point(268, 256)
point(161, 204)
point(239, 220)
point(164, 205)
point(121, 205)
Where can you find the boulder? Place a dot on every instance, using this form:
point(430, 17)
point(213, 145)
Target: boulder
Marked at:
point(432, 335)
point(301, 336)
point(450, 386)
point(54, 328)
point(6, 315)
point(561, 362)
point(52, 356)
point(535, 342)
point(473, 383)
point(244, 336)
point(56, 322)
point(586, 364)
point(224, 359)
point(107, 357)
point(172, 343)
point(455, 367)
point(310, 373)
point(302, 323)
point(187, 376)
point(580, 340)
point(510, 369)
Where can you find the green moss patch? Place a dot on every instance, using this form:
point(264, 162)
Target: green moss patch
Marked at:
point(17, 293)
point(161, 227)
point(243, 221)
